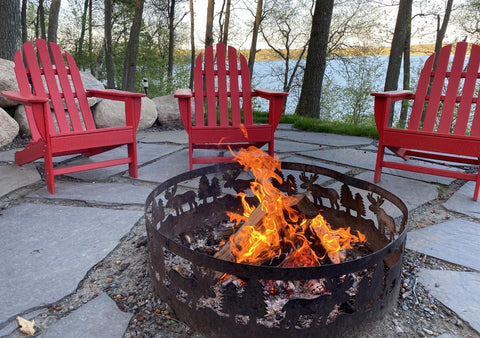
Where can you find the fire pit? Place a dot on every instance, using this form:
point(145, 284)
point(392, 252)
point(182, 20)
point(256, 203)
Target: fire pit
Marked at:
point(195, 224)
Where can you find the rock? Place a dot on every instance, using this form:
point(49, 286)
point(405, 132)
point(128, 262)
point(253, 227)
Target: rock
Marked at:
point(108, 113)
point(22, 121)
point(8, 81)
point(168, 112)
point(90, 82)
point(8, 128)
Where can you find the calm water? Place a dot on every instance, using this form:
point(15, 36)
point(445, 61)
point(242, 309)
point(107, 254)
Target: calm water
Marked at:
point(369, 71)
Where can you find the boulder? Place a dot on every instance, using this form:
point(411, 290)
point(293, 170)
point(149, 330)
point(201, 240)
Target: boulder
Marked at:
point(22, 121)
point(108, 113)
point(168, 112)
point(91, 82)
point(8, 128)
point(8, 81)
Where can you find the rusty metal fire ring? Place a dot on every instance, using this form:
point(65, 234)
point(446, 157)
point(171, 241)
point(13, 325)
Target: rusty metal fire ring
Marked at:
point(360, 291)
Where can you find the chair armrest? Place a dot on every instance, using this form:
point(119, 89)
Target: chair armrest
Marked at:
point(268, 93)
point(133, 102)
point(394, 95)
point(184, 97)
point(23, 99)
point(383, 102)
point(113, 94)
point(183, 93)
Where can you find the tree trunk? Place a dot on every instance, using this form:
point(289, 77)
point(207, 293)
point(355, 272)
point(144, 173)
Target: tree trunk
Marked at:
point(83, 28)
point(209, 27)
point(9, 28)
point(108, 44)
point(41, 19)
point(171, 38)
point(309, 102)
point(192, 43)
point(441, 31)
point(253, 47)
point(398, 45)
point(24, 21)
point(130, 64)
point(226, 23)
point(406, 79)
point(53, 20)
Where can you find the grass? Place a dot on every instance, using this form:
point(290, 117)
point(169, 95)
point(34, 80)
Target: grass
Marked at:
point(316, 125)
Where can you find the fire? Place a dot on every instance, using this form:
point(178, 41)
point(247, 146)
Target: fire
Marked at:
point(275, 228)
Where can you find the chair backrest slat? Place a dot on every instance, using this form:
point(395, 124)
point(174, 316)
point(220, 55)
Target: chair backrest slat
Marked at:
point(421, 94)
point(246, 91)
point(469, 92)
point(454, 84)
point(66, 87)
point(25, 89)
point(234, 86)
point(35, 74)
point(436, 90)
point(222, 86)
point(210, 87)
point(52, 85)
point(80, 92)
point(199, 91)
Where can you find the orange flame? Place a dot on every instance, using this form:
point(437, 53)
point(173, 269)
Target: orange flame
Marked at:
point(280, 229)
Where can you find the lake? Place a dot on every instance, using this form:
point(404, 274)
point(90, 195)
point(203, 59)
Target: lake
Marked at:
point(340, 75)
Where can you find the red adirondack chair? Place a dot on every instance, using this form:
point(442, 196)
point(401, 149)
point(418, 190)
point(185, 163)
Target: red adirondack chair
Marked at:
point(223, 107)
point(47, 82)
point(444, 122)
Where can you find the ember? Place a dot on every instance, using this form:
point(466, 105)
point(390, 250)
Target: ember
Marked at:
point(281, 228)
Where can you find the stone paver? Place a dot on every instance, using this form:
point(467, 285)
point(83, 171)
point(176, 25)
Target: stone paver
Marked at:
point(172, 136)
point(462, 201)
point(457, 290)
point(117, 193)
point(325, 139)
point(454, 241)
point(366, 159)
point(46, 250)
point(100, 317)
point(13, 177)
point(146, 153)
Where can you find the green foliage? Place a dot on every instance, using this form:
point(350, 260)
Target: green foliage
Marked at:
point(335, 127)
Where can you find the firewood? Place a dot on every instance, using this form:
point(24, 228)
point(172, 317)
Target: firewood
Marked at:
point(303, 204)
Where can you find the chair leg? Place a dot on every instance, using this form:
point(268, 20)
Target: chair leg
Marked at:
point(271, 150)
point(190, 155)
point(378, 165)
point(477, 188)
point(133, 165)
point(49, 175)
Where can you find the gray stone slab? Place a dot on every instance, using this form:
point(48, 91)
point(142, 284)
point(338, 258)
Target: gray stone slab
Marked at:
point(462, 201)
point(412, 193)
point(367, 159)
point(282, 146)
point(9, 155)
point(13, 177)
point(100, 317)
point(167, 167)
point(312, 161)
point(118, 193)
point(459, 291)
point(145, 153)
point(172, 136)
point(46, 250)
point(456, 241)
point(325, 139)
